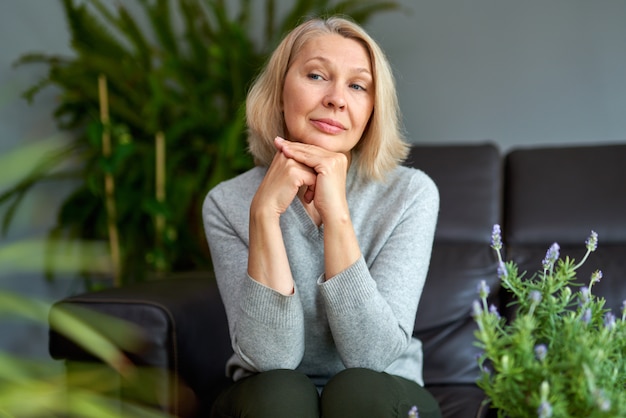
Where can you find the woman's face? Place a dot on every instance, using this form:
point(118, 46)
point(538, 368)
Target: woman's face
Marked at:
point(328, 95)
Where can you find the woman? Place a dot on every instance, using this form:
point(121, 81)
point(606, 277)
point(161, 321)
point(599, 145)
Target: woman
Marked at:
point(321, 251)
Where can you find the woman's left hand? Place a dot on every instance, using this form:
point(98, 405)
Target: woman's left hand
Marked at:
point(328, 194)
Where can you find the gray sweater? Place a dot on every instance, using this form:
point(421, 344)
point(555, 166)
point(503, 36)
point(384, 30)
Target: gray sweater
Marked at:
point(364, 316)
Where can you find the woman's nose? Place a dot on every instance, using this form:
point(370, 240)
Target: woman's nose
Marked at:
point(335, 97)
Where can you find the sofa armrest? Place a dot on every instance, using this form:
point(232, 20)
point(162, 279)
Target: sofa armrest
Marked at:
point(183, 329)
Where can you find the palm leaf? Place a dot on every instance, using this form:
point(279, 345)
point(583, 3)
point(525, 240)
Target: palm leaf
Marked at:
point(88, 34)
point(129, 28)
point(159, 14)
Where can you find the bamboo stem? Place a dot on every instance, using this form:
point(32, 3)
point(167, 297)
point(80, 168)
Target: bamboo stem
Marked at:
point(160, 183)
point(109, 183)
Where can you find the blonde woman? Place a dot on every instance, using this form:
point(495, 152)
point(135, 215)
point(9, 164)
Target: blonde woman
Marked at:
point(321, 251)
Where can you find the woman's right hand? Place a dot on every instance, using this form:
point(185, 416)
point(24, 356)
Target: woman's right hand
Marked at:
point(281, 184)
point(267, 257)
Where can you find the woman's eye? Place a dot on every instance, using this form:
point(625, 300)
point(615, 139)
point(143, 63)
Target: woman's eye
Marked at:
point(357, 87)
point(313, 76)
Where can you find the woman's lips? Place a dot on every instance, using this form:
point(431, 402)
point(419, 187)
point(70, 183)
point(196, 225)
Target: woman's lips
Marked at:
point(328, 125)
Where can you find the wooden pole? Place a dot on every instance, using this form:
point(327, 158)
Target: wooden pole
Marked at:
point(109, 183)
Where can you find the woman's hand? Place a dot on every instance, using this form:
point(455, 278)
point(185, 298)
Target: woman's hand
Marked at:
point(322, 175)
point(328, 190)
point(328, 194)
point(267, 258)
point(284, 178)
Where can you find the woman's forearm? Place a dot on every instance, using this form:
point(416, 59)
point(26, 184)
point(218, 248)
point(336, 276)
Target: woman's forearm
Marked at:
point(267, 257)
point(341, 247)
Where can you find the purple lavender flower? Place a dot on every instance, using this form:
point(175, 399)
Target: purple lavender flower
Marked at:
point(502, 270)
point(551, 256)
point(494, 311)
point(483, 289)
point(586, 318)
point(584, 295)
point(496, 238)
point(535, 296)
point(609, 320)
point(541, 350)
point(477, 309)
point(413, 412)
point(596, 276)
point(592, 242)
point(544, 410)
point(486, 369)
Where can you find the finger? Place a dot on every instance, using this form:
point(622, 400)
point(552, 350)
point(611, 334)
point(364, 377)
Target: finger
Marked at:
point(289, 168)
point(279, 142)
point(307, 154)
point(309, 194)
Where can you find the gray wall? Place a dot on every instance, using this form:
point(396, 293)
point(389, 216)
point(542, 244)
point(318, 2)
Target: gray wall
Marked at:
point(25, 26)
point(518, 72)
point(515, 72)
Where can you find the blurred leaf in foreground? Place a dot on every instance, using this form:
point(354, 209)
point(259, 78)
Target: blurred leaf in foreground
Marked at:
point(35, 388)
point(59, 256)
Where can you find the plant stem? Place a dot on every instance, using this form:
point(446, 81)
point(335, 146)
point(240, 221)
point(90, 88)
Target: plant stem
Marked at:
point(577, 266)
point(109, 183)
point(160, 188)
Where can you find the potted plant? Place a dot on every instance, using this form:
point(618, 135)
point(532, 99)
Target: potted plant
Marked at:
point(154, 103)
point(562, 355)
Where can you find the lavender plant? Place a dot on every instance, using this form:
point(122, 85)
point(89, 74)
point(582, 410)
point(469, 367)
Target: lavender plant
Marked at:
point(563, 353)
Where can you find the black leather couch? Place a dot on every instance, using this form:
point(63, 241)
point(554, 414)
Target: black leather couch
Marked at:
point(538, 195)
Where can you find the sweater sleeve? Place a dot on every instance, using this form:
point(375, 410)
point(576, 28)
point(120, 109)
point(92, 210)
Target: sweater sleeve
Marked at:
point(371, 306)
point(266, 328)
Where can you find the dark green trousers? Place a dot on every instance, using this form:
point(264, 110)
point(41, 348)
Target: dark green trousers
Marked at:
point(351, 393)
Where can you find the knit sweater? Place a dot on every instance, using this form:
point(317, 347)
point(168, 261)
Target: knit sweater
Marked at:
point(362, 317)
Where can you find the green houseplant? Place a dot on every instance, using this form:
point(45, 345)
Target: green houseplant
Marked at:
point(562, 355)
point(174, 75)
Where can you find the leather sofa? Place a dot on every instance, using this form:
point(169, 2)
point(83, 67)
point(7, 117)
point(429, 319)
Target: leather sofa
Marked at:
point(538, 195)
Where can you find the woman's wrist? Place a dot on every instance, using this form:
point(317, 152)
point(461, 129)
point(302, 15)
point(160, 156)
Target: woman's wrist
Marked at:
point(260, 212)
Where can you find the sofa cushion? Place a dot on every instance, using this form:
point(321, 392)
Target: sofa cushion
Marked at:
point(560, 195)
point(469, 178)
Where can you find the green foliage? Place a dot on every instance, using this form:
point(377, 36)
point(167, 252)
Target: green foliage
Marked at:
point(182, 68)
point(36, 388)
point(563, 353)
point(33, 387)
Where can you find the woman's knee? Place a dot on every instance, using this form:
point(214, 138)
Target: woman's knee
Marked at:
point(362, 392)
point(275, 394)
point(352, 390)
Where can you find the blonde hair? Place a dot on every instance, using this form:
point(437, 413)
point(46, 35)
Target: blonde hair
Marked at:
point(382, 146)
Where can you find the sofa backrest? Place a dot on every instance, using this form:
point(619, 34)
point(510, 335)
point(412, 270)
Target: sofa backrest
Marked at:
point(469, 178)
point(560, 194)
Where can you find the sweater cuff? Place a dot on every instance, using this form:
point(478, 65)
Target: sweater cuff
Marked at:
point(269, 307)
point(349, 289)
